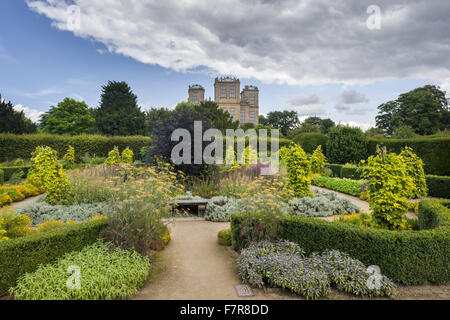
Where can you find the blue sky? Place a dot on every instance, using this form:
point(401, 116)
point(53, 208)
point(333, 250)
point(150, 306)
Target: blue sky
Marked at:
point(41, 63)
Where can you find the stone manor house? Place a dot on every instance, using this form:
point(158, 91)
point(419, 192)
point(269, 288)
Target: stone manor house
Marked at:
point(243, 107)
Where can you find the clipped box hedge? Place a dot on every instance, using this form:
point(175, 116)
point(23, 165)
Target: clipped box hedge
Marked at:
point(433, 214)
point(309, 141)
point(350, 172)
point(9, 171)
point(335, 169)
point(433, 151)
point(21, 146)
point(2, 176)
point(406, 257)
point(22, 255)
point(438, 186)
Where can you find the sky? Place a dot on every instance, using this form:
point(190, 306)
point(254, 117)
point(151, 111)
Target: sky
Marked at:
point(336, 59)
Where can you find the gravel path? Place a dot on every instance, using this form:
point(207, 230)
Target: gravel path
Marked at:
point(26, 201)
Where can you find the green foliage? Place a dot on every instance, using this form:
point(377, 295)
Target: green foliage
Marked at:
point(406, 257)
point(113, 157)
point(13, 146)
point(404, 132)
point(220, 209)
point(346, 145)
point(10, 171)
point(323, 205)
point(350, 172)
point(285, 265)
point(40, 212)
point(69, 158)
point(335, 169)
point(22, 255)
point(318, 160)
point(298, 168)
point(224, 237)
point(348, 186)
point(46, 173)
point(434, 213)
point(69, 117)
point(388, 189)
point(154, 116)
point(283, 120)
point(310, 141)
point(424, 109)
point(127, 155)
point(119, 114)
point(433, 151)
point(12, 121)
point(105, 274)
point(414, 168)
point(16, 225)
point(2, 176)
point(438, 186)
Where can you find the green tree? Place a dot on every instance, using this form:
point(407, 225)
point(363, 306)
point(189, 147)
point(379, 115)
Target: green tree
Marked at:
point(262, 120)
point(374, 133)
point(69, 117)
point(324, 125)
point(154, 116)
point(12, 121)
point(404, 132)
point(119, 113)
point(424, 109)
point(283, 120)
point(346, 145)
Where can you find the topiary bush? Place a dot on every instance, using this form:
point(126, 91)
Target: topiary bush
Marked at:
point(318, 160)
point(105, 274)
point(433, 213)
point(298, 167)
point(346, 145)
point(127, 155)
point(113, 157)
point(224, 237)
point(323, 205)
point(220, 209)
point(414, 166)
point(69, 158)
point(47, 173)
point(285, 265)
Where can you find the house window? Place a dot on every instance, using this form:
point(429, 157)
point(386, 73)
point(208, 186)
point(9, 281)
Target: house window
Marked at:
point(252, 117)
point(233, 113)
point(195, 97)
point(232, 92)
point(242, 120)
point(252, 98)
point(223, 91)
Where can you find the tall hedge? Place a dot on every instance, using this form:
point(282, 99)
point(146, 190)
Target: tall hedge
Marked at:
point(22, 255)
point(20, 146)
point(346, 145)
point(433, 151)
point(311, 140)
point(406, 257)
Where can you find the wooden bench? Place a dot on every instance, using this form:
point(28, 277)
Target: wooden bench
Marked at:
point(199, 204)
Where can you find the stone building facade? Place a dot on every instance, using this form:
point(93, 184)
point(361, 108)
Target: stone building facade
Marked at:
point(242, 105)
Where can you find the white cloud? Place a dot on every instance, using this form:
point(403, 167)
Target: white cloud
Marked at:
point(363, 125)
point(352, 97)
point(289, 41)
point(32, 114)
point(307, 105)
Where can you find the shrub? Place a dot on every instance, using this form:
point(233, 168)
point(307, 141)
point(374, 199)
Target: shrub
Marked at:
point(40, 212)
point(284, 264)
point(22, 255)
point(335, 169)
point(10, 171)
point(433, 151)
point(350, 172)
point(318, 160)
point(310, 141)
point(388, 189)
point(407, 257)
point(53, 224)
point(113, 157)
point(348, 186)
point(219, 209)
point(346, 145)
point(13, 146)
point(48, 174)
point(2, 177)
point(414, 167)
point(298, 168)
point(16, 225)
point(104, 274)
point(69, 158)
point(127, 155)
point(224, 237)
point(434, 213)
point(5, 199)
point(438, 186)
point(323, 205)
